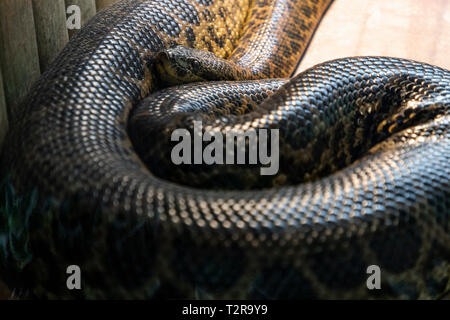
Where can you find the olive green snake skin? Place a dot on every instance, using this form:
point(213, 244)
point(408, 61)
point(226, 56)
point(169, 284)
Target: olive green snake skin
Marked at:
point(363, 173)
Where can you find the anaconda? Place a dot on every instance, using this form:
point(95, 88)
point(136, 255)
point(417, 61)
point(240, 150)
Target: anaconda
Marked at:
point(363, 173)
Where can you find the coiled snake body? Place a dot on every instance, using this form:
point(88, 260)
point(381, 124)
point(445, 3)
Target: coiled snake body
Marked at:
point(363, 177)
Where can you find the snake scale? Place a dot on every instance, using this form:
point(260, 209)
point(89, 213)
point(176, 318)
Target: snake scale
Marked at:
point(363, 173)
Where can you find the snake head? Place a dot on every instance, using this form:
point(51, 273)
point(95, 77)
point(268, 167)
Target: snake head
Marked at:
point(180, 65)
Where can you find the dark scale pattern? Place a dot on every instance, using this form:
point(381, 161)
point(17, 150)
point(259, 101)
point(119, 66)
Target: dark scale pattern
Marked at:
point(365, 161)
point(204, 269)
point(205, 2)
point(389, 247)
point(348, 266)
point(436, 277)
point(293, 285)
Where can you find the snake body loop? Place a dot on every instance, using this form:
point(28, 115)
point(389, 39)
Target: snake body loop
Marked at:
point(363, 177)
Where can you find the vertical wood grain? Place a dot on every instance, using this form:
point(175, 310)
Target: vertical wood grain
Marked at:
point(88, 10)
point(19, 58)
point(104, 3)
point(3, 112)
point(51, 31)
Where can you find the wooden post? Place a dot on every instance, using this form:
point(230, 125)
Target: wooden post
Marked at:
point(5, 293)
point(104, 3)
point(51, 30)
point(18, 50)
point(3, 113)
point(88, 10)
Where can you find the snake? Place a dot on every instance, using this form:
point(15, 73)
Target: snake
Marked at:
point(359, 206)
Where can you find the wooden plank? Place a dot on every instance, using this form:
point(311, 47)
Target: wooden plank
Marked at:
point(18, 50)
point(412, 29)
point(3, 112)
point(5, 293)
point(104, 3)
point(88, 10)
point(51, 31)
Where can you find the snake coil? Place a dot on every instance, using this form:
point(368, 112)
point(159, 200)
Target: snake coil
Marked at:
point(363, 177)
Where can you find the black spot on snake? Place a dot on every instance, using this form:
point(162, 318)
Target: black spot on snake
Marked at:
point(349, 267)
point(294, 285)
point(397, 255)
point(203, 268)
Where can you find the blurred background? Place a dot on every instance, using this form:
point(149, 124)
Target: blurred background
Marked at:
point(411, 29)
point(33, 32)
